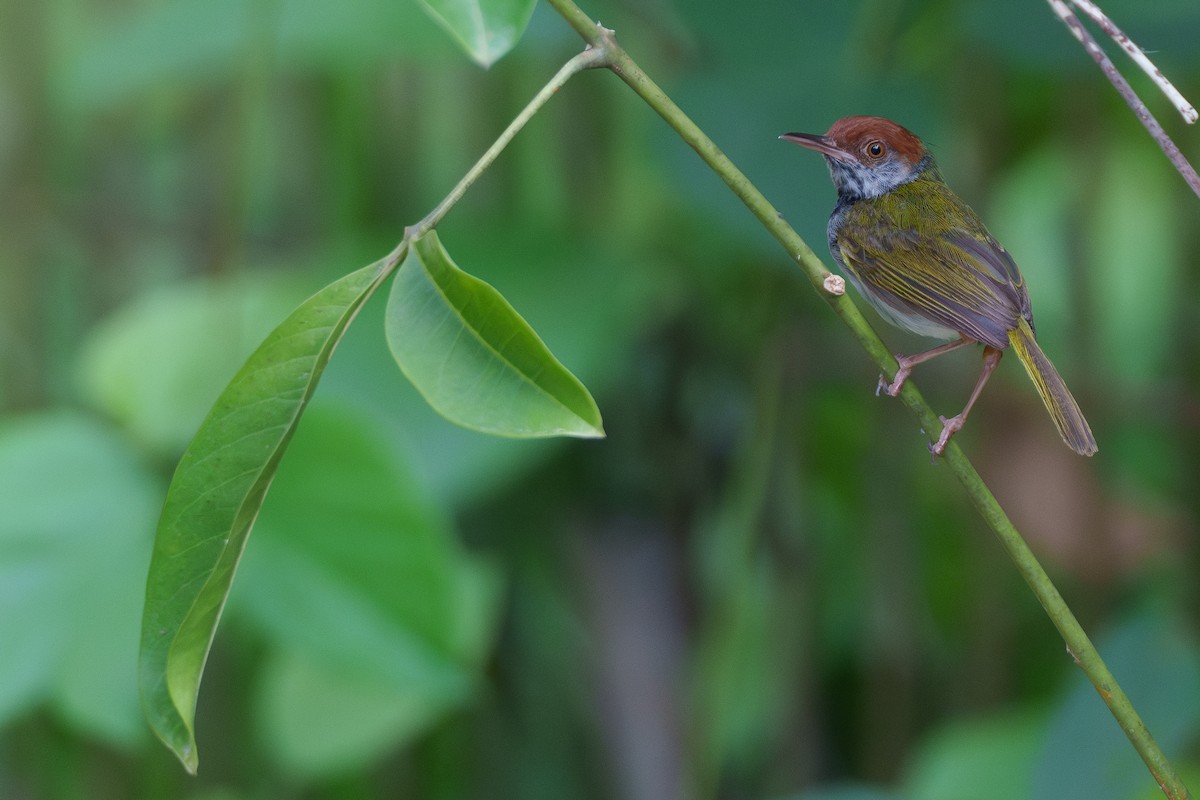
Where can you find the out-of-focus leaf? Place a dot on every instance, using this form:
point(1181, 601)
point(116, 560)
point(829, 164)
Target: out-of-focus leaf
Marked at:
point(1134, 262)
point(216, 494)
point(191, 42)
point(486, 29)
point(157, 365)
point(1085, 754)
point(380, 621)
point(78, 511)
point(319, 719)
point(473, 357)
point(984, 759)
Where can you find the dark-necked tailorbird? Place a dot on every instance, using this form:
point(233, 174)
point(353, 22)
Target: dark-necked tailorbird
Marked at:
point(926, 262)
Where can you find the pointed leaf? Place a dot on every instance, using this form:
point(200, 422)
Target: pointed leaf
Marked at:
point(487, 29)
point(473, 357)
point(215, 496)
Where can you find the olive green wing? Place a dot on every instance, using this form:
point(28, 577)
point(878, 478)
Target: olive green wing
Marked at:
point(959, 281)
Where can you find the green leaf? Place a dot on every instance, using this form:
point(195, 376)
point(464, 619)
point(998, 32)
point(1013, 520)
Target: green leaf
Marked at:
point(473, 357)
point(487, 29)
point(216, 494)
point(75, 532)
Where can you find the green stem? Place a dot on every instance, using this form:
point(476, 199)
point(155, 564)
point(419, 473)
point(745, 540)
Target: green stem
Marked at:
point(591, 57)
point(1080, 646)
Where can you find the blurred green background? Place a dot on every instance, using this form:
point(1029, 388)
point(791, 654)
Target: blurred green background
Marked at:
point(756, 586)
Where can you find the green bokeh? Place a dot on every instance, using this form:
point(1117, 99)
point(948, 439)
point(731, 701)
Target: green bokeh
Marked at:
point(757, 585)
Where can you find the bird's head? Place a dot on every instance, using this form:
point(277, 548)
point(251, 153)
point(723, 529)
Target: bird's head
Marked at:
point(867, 156)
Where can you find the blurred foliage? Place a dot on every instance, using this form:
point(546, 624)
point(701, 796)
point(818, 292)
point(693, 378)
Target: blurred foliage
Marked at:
point(756, 586)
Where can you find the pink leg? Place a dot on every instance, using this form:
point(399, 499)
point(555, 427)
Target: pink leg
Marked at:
point(991, 358)
point(908, 362)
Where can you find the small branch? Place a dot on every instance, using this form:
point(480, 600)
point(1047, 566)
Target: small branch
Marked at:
point(1064, 13)
point(985, 502)
point(1186, 110)
point(593, 56)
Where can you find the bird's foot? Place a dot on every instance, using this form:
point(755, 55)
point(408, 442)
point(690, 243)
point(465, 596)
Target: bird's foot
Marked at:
point(949, 428)
point(893, 388)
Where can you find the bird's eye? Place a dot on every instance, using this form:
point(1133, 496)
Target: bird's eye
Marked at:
point(875, 149)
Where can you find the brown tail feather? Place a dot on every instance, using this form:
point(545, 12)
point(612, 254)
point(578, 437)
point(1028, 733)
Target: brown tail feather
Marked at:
point(1054, 393)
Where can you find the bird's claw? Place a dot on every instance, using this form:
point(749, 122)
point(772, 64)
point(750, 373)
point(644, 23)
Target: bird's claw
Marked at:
point(893, 387)
point(949, 428)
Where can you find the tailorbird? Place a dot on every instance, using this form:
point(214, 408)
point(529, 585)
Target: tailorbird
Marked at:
point(926, 262)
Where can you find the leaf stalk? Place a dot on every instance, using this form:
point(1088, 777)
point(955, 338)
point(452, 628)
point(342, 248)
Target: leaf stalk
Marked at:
point(594, 56)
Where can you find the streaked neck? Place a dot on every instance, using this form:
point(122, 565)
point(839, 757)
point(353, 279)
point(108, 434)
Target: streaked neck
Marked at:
point(857, 182)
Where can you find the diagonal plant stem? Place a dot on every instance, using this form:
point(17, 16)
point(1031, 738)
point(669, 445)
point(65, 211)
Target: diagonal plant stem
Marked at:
point(1078, 643)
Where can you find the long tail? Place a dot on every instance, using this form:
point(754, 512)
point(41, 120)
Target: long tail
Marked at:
point(1054, 393)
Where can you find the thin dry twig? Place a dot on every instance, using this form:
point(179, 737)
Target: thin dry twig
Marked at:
point(1064, 13)
point(1186, 109)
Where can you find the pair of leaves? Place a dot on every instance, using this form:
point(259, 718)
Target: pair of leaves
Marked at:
point(466, 349)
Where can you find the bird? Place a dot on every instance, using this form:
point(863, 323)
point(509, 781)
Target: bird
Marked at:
point(926, 262)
